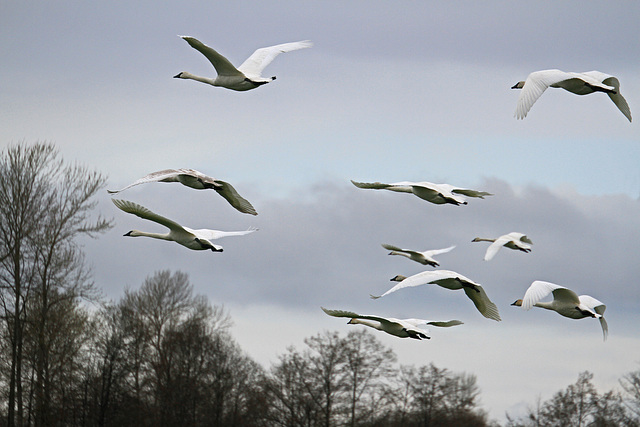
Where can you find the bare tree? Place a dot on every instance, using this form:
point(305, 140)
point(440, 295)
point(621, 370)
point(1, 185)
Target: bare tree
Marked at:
point(44, 205)
point(289, 394)
point(368, 365)
point(326, 356)
point(631, 386)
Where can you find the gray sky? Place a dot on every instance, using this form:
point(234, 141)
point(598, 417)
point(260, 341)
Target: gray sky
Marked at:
point(390, 92)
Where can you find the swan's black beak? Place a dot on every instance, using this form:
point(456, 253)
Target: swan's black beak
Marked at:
point(128, 234)
point(515, 86)
point(177, 76)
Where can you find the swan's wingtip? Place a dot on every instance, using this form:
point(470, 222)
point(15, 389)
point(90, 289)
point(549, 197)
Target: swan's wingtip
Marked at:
point(374, 296)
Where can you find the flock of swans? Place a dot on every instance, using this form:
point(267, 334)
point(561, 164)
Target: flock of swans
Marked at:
point(565, 302)
point(249, 76)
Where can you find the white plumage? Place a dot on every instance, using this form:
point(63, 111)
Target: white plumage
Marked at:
point(403, 328)
point(513, 240)
point(425, 257)
point(199, 181)
point(248, 75)
point(434, 193)
point(192, 239)
point(578, 83)
point(450, 280)
point(565, 302)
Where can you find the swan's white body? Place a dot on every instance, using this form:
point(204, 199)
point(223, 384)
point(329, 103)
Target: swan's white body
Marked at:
point(434, 193)
point(450, 280)
point(513, 240)
point(192, 239)
point(199, 181)
point(425, 257)
point(248, 75)
point(565, 302)
point(403, 328)
point(577, 83)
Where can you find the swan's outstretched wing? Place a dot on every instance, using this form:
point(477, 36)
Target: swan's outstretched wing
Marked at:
point(599, 308)
point(371, 185)
point(471, 193)
point(220, 63)
point(433, 252)
point(540, 289)
point(217, 234)
point(482, 302)
point(163, 175)
point(617, 97)
point(440, 324)
point(523, 238)
point(262, 57)
point(423, 278)
point(494, 247)
point(534, 86)
point(397, 249)
point(227, 191)
point(415, 280)
point(144, 213)
point(352, 315)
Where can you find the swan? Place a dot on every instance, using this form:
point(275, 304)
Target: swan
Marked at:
point(192, 239)
point(565, 302)
point(403, 328)
point(450, 280)
point(434, 193)
point(578, 83)
point(246, 76)
point(199, 181)
point(513, 240)
point(425, 258)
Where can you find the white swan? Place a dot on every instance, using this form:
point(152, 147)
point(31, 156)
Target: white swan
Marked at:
point(248, 75)
point(578, 83)
point(192, 239)
point(565, 302)
point(513, 240)
point(434, 193)
point(403, 328)
point(450, 280)
point(199, 181)
point(425, 257)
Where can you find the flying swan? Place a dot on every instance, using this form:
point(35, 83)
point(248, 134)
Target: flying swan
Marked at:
point(450, 280)
point(513, 240)
point(403, 328)
point(565, 302)
point(425, 258)
point(199, 181)
point(198, 240)
point(434, 193)
point(248, 75)
point(578, 83)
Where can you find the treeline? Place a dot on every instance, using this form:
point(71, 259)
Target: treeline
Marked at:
point(162, 356)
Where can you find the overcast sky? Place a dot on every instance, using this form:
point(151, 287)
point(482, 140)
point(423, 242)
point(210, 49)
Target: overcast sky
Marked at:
point(391, 91)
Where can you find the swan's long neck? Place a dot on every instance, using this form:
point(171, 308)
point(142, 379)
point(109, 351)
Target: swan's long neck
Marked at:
point(374, 325)
point(138, 233)
point(207, 80)
point(545, 304)
point(400, 253)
